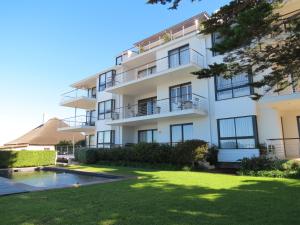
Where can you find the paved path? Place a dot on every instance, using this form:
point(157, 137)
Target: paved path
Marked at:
point(9, 187)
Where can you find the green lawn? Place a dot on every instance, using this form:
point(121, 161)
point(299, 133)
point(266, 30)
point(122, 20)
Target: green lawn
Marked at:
point(160, 198)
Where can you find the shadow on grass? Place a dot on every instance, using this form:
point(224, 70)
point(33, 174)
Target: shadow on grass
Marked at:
point(162, 197)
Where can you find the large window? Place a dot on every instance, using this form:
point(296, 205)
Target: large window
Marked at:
point(146, 106)
point(106, 80)
point(237, 86)
point(238, 132)
point(147, 136)
point(105, 109)
point(179, 56)
point(180, 95)
point(105, 139)
point(181, 132)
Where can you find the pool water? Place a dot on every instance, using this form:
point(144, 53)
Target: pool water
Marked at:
point(51, 178)
point(25, 180)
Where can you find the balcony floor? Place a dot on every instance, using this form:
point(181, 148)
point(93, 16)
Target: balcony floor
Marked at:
point(81, 103)
point(149, 83)
point(83, 129)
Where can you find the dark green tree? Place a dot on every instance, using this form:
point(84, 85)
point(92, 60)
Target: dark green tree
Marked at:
point(255, 39)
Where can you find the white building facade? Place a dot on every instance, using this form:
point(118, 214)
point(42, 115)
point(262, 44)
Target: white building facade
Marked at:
point(150, 95)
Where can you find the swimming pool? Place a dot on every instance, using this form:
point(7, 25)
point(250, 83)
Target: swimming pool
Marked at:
point(35, 179)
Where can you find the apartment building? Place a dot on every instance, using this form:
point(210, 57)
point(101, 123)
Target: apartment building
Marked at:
point(150, 95)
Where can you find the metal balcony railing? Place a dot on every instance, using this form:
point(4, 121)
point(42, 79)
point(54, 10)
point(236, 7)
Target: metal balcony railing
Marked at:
point(185, 30)
point(172, 61)
point(284, 147)
point(161, 106)
point(78, 121)
point(78, 93)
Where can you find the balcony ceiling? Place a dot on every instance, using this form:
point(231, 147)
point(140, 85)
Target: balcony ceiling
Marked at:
point(282, 103)
point(142, 120)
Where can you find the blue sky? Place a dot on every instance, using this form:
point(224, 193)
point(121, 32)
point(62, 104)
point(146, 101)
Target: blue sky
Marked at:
point(47, 45)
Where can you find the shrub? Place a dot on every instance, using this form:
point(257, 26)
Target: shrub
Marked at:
point(257, 163)
point(26, 158)
point(212, 155)
point(190, 152)
point(267, 167)
point(88, 156)
point(291, 165)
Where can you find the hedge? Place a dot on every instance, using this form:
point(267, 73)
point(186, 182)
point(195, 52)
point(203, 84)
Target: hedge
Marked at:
point(188, 153)
point(268, 167)
point(26, 158)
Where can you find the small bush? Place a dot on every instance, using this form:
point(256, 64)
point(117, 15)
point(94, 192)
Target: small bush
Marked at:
point(212, 155)
point(26, 158)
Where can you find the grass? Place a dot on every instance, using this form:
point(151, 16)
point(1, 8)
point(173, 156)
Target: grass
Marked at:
point(160, 197)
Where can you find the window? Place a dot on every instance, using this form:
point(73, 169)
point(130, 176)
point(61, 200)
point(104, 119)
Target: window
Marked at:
point(106, 80)
point(91, 118)
point(238, 132)
point(179, 56)
point(146, 106)
point(145, 72)
point(119, 60)
point(298, 122)
point(181, 132)
point(105, 109)
point(147, 136)
point(180, 95)
point(90, 141)
point(92, 92)
point(105, 139)
point(234, 87)
point(215, 39)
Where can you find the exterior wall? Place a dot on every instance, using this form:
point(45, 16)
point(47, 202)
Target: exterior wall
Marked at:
point(204, 126)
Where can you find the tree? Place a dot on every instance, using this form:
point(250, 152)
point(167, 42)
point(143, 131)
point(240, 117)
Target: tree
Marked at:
point(255, 39)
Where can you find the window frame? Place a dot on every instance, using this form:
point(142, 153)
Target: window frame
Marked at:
point(152, 99)
point(152, 133)
point(113, 75)
point(236, 138)
point(89, 117)
point(182, 131)
point(112, 138)
point(148, 70)
point(119, 57)
point(298, 123)
point(178, 85)
point(178, 53)
point(112, 105)
point(250, 80)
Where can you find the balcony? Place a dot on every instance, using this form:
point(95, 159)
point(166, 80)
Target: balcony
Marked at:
point(284, 148)
point(192, 105)
point(146, 77)
point(190, 26)
point(82, 123)
point(78, 98)
point(288, 98)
